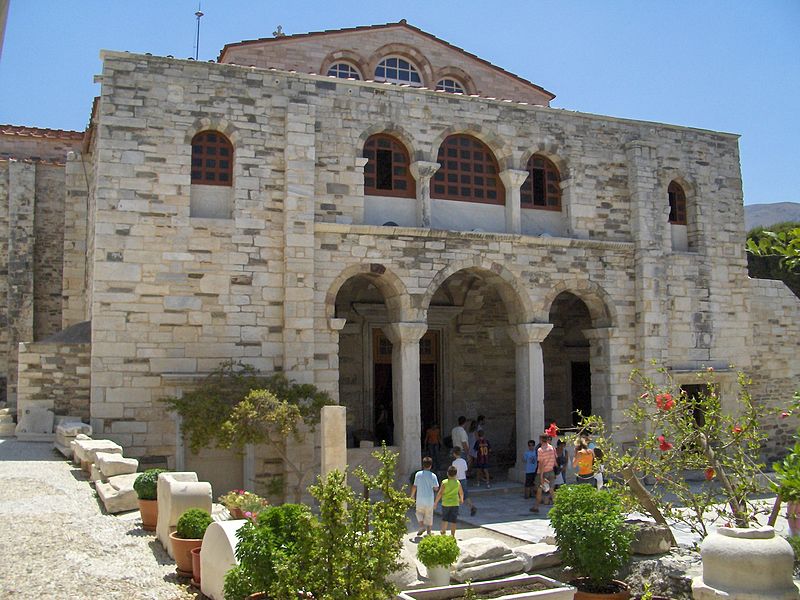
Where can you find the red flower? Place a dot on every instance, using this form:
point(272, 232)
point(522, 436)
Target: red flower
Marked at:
point(710, 473)
point(663, 444)
point(737, 429)
point(785, 414)
point(552, 431)
point(664, 401)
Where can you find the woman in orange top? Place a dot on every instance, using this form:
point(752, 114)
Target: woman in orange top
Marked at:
point(433, 444)
point(584, 462)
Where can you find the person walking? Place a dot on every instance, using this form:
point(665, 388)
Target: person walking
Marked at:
point(546, 458)
point(584, 462)
point(562, 459)
point(459, 436)
point(461, 471)
point(433, 444)
point(482, 450)
point(531, 461)
point(451, 495)
point(424, 489)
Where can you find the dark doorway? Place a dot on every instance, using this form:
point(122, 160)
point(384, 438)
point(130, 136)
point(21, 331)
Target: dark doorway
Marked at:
point(581, 377)
point(382, 411)
point(695, 394)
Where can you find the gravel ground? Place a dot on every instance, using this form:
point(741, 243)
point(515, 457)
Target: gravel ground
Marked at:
point(56, 541)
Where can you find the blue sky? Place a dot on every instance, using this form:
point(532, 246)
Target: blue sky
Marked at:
point(726, 65)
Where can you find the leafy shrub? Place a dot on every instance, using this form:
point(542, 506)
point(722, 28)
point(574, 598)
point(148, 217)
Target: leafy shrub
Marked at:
point(146, 484)
point(192, 524)
point(788, 473)
point(438, 551)
point(591, 532)
point(249, 503)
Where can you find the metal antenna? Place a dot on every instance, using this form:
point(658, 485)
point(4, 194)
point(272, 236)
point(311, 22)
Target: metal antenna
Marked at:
point(198, 14)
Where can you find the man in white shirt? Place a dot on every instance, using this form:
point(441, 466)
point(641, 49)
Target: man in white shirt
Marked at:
point(459, 436)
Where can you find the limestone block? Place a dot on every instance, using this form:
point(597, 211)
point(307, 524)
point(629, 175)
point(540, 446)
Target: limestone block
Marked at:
point(650, 538)
point(111, 464)
point(73, 445)
point(95, 474)
point(164, 505)
point(35, 420)
point(218, 556)
point(538, 556)
point(73, 428)
point(485, 558)
point(117, 494)
point(85, 450)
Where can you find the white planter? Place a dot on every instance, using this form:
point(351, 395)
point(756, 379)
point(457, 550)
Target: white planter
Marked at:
point(439, 576)
point(556, 590)
point(745, 564)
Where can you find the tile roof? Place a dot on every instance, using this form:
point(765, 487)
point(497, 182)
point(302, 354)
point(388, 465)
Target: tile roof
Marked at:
point(55, 134)
point(401, 23)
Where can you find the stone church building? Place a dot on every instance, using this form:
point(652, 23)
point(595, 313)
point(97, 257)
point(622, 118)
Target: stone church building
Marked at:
point(388, 216)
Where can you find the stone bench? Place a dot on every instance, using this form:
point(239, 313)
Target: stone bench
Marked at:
point(178, 492)
point(67, 431)
point(218, 556)
point(117, 494)
point(85, 451)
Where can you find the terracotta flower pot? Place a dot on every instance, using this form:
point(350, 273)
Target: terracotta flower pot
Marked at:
point(195, 552)
point(622, 593)
point(149, 512)
point(182, 550)
point(236, 513)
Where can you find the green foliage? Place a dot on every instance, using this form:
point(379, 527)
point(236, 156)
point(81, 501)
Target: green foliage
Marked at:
point(270, 551)
point(210, 413)
point(788, 474)
point(348, 551)
point(783, 239)
point(146, 484)
point(794, 542)
point(438, 551)
point(192, 524)
point(247, 502)
point(591, 532)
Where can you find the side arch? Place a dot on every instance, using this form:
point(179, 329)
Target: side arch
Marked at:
point(348, 56)
point(553, 153)
point(393, 129)
point(221, 125)
point(391, 286)
point(511, 290)
point(597, 300)
point(499, 146)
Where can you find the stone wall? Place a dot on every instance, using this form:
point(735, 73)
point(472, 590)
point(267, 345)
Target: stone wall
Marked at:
point(175, 294)
point(54, 376)
point(48, 250)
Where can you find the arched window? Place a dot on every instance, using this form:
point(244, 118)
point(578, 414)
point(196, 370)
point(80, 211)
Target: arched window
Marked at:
point(450, 85)
point(343, 71)
point(386, 172)
point(212, 159)
point(542, 188)
point(397, 70)
point(677, 204)
point(468, 172)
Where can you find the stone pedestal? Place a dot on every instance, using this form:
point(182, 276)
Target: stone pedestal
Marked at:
point(745, 564)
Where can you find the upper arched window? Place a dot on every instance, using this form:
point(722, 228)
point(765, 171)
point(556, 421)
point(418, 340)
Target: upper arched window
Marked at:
point(212, 159)
point(468, 172)
point(343, 70)
point(386, 172)
point(397, 70)
point(450, 85)
point(542, 188)
point(677, 204)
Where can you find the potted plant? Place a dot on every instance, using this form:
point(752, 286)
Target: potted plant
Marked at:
point(438, 553)
point(593, 538)
point(788, 486)
point(188, 534)
point(146, 487)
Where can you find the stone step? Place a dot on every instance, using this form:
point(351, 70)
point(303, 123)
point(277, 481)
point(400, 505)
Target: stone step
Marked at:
point(7, 429)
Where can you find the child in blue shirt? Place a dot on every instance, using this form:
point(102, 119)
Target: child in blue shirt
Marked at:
point(531, 460)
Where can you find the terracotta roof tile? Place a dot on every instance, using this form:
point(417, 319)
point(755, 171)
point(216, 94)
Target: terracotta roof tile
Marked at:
point(55, 134)
point(401, 23)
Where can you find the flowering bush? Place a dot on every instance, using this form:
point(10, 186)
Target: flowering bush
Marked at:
point(679, 433)
point(249, 503)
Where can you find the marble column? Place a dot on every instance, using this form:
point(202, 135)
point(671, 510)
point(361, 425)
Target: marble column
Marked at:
point(530, 387)
point(422, 172)
point(512, 180)
point(405, 339)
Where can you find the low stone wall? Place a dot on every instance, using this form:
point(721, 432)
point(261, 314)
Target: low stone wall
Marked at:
point(54, 376)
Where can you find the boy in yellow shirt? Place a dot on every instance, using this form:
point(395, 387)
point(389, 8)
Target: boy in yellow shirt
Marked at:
point(451, 495)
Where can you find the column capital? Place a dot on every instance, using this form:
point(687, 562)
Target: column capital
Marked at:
point(422, 169)
point(513, 178)
point(527, 333)
point(405, 333)
point(361, 162)
point(336, 323)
